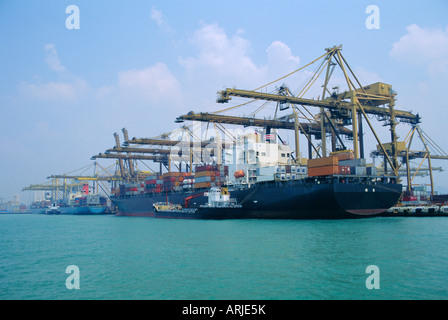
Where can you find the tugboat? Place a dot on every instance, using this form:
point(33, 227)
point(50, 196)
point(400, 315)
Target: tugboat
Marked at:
point(219, 198)
point(53, 209)
point(218, 206)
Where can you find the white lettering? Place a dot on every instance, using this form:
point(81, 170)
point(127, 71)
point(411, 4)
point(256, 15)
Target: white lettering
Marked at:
point(72, 21)
point(72, 281)
point(373, 281)
point(373, 21)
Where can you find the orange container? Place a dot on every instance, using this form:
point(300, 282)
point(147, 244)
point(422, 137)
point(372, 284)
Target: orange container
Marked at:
point(323, 171)
point(323, 162)
point(202, 185)
point(343, 155)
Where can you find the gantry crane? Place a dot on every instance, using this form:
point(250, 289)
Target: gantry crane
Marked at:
point(405, 152)
point(336, 111)
point(344, 108)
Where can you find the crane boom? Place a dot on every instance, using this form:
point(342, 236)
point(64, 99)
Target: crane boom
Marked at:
point(310, 128)
point(128, 157)
point(330, 103)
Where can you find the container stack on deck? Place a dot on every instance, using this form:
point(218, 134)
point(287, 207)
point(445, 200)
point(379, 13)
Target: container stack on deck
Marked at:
point(173, 181)
point(208, 176)
point(154, 184)
point(340, 163)
point(323, 166)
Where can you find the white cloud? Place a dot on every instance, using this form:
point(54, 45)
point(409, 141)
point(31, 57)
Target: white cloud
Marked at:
point(226, 60)
point(366, 77)
point(280, 59)
point(155, 83)
point(157, 16)
point(68, 90)
point(52, 58)
point(423, 47)
point(48, 91)
point(221, 56)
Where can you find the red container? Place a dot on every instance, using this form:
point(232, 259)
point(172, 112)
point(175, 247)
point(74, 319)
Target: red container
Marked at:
point(344, 169)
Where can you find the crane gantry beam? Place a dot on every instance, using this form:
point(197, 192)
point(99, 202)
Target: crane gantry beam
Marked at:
point(310, 128)
point(86, 178)
point(44, 187)
point(130, 157)
point(329, 103)
point(160, 142)
point(138, 150)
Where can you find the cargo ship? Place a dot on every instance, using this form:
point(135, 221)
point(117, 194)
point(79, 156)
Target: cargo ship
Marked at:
point(266, 185)
point(83, 204)
point(79, 203)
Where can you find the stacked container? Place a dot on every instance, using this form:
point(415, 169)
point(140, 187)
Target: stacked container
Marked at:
point(210, 176)
point(343, 155)
point(207, 176)
point(357, 166)
point(134, 188)
point(153, 184)
point(173, 181)
point(323, 166)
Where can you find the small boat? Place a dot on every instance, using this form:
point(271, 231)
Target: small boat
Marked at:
point(53, 209)
point(219, 203)
point(219, 198)
point(166, 206)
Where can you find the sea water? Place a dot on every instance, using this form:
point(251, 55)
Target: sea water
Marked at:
point(160, 259)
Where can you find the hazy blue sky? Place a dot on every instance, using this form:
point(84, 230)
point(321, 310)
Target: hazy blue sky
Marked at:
point(139, 64)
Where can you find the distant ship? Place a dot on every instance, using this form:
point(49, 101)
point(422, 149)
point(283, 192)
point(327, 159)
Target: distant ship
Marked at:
point(53, 210)
point(79, 203)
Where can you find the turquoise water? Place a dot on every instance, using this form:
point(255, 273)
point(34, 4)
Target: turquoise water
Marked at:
point(146, 258)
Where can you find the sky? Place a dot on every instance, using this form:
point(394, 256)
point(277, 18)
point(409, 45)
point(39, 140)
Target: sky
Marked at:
point(139, 64)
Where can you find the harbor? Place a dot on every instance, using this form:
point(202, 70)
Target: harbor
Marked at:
point(268, 178)
point(232, 158)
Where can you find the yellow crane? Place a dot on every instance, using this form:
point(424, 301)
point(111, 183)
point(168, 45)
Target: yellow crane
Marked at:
point(345, 108)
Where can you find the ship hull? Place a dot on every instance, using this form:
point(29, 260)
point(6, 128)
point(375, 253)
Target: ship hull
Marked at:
point(82, 210)
point(307, 199)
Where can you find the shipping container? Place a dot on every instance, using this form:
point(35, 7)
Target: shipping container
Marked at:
point(207, 173)
point(280, 176)
point(207, 168)
point(410, 198)
point(372, 171)
point(151, 177)
point(302, 170)
point(205, 185)
point(361, 162)
point(343, 155)
point(358, 171)
point(323, 162)
point(344, 170)
point(323, 171)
